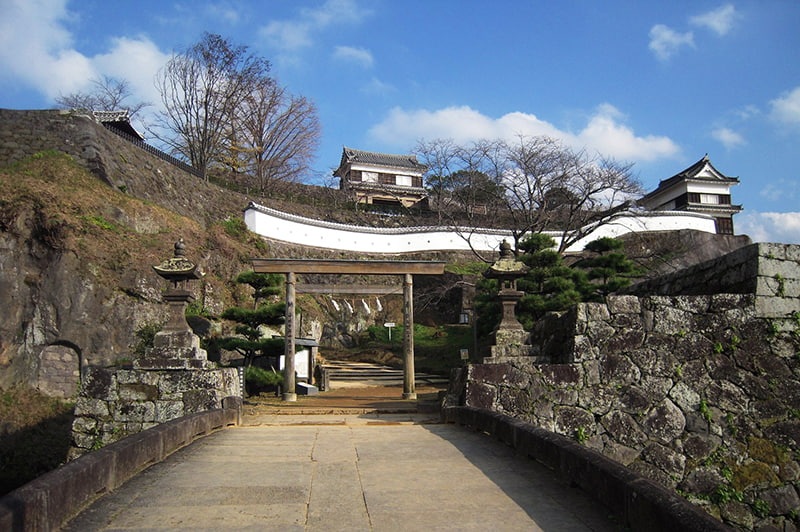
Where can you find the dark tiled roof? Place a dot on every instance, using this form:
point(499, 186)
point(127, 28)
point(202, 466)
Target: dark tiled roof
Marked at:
point(111, 116)
point(351, 155)
point(119, 120)
point(691, 173)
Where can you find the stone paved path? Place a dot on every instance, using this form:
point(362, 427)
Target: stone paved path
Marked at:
point(368, 472)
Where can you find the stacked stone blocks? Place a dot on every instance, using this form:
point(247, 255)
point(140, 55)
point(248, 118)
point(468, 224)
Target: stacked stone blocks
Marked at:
point(115, 403)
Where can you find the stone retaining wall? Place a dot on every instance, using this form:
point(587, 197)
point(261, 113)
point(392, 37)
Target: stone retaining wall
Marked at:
point(115, 403)
point(112, 159)
point(699, 393)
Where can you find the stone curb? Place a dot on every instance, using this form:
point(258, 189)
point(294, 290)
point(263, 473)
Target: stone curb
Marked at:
point(639, 503)
point(47, 502)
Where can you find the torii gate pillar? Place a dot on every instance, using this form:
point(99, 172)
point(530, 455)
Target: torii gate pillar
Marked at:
point(409, 387)
point(289, 393)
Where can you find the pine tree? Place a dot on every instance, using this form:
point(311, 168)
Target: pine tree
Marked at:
point(609, 269)
point(248, 340)
point(550, 285)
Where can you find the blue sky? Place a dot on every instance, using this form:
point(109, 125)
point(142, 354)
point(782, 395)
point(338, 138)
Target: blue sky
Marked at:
point(659, 84)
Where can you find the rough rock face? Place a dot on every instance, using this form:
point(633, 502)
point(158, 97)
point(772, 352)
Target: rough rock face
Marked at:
point(76, 278)
point(48, 302)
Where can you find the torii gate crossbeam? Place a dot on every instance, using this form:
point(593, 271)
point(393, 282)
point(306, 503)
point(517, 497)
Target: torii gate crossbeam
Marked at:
point(292, 267)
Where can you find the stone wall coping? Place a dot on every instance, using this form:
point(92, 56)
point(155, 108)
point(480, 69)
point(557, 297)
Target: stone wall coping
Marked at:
point(47, 502)
point(639, 503)
point(736, 272)
point(314, 222)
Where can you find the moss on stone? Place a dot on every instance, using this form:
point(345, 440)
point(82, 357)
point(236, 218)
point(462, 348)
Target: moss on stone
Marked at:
point(766, 451)
point(753, 474)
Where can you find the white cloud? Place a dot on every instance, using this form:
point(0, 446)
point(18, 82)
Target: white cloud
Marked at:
point(335, 11)
point(350, 54)
point(134, 60)
point(604, 132)
point(223, 11)
point(290, 36)
point(781, 189)
point(462, 124)
point(728, 137)
point(376, 86)
point(771, 192)
point(783, 227)
point(747, 112)
point(720, 20)
point(786, 108)
point(36, 48)
point(666, 42)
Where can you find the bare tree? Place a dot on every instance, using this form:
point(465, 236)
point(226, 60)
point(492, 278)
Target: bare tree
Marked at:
point(538, 185)
point(200, 89)
point(272, 135)
point(441, 157)
point(106, 94)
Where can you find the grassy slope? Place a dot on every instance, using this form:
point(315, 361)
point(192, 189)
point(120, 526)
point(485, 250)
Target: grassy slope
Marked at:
point(111, 232)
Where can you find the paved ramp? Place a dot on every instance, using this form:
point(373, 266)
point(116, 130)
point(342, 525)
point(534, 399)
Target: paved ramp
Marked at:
point(345, 473)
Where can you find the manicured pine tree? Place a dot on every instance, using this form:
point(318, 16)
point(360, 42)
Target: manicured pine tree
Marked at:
point(609, 269)
point(248, 340)
point(551, 285)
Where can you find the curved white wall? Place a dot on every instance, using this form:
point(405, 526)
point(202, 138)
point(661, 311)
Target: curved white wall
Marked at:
point(299, 230)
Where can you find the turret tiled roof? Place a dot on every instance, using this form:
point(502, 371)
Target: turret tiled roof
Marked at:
point(351, 156)
point(692, 173)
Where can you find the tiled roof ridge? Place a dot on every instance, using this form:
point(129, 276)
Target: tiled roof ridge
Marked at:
point(431, 228)
point(693, 170)
point(112, 116)
point(406, 161)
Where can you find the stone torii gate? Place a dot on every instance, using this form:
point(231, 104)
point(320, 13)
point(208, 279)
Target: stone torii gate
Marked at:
point(292, 267)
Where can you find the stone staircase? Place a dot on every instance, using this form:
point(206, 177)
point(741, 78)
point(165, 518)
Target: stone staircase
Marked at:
point(344, 372)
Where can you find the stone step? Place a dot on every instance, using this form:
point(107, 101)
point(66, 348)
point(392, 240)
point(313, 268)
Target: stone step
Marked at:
point(365, 371)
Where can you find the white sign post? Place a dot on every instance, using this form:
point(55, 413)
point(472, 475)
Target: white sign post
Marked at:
point(389, 325)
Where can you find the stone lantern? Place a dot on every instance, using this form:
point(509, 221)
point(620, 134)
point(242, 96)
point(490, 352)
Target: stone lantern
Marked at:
point(509, 336)
point(176, 346)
